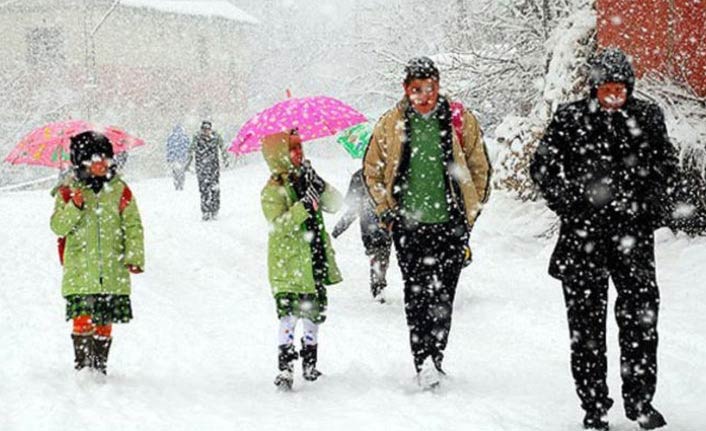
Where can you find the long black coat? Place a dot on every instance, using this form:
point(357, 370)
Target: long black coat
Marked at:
point(608, 175)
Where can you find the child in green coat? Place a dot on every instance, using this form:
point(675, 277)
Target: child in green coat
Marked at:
point(101, 243)
point(300, 257)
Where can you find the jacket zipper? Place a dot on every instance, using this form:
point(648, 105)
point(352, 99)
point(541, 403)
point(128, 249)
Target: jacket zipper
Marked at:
point(100, 251)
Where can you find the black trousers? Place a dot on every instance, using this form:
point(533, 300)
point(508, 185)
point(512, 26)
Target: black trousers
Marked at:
point(430, 258)
point(210, 191)
point(629, 261)
point(379, 262)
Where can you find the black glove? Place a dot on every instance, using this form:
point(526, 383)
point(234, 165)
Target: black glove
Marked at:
point(387, 219)
point(312, 178)
point(310, 200)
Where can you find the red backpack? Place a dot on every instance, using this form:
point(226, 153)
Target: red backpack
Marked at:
point(457, 120)
point(65, 192)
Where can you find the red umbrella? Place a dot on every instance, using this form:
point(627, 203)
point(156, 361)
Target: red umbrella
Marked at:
point(49, 145)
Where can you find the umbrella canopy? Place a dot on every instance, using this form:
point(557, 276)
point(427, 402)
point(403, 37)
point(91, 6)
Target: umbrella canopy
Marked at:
point(49, 145)
point(314, 117)
point(355, 139)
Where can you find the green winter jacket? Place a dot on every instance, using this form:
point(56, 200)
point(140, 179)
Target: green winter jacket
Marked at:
point(289, 255)
point(100, 240)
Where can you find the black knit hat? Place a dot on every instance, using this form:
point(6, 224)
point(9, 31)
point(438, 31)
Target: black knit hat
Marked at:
point(420, 68)
point(611, 65)
point(87, 144)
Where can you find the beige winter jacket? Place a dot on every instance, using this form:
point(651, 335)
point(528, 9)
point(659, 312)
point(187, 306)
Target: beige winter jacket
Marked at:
point(471, 167)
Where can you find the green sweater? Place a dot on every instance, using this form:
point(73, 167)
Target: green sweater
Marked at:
point(424, 198)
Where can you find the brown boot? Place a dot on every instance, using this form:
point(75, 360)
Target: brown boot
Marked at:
point(101, 347)
point(83, 351)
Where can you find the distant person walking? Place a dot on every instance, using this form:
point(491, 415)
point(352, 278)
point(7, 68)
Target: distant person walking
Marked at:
point(178, 155)
point(206, 147)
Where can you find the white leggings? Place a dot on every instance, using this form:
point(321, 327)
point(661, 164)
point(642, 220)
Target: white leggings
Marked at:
point(288, 324)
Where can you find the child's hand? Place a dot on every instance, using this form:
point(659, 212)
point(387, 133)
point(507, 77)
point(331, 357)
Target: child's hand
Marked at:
point(311, 200)
point(134, 269)
point(77, 198)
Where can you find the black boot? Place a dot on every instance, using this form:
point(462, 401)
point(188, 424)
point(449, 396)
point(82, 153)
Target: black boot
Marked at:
point(101, 349)
point(309, 357)
point(646, 416)
point(287, 356)
point(83, 350)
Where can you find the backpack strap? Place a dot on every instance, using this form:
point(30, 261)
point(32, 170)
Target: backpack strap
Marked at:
point(125, 199)
point(65, 192)
point(457, 120)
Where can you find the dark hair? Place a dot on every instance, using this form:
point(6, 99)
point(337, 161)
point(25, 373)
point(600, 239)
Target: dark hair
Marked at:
point(206, 124)
point(87, 144)
point(420, 68)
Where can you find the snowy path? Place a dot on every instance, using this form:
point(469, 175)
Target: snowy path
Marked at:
point(201, 353)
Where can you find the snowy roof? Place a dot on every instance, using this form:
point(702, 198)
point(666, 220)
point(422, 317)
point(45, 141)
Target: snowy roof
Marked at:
point(209, 8)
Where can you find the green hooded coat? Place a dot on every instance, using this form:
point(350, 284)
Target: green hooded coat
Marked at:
point(100, 240)
point(289, 256)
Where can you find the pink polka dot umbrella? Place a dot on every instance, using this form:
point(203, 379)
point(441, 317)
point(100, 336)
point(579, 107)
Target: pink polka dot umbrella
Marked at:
point(314, 117)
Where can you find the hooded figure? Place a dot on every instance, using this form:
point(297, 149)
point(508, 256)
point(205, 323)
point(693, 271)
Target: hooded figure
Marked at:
point(606, 167)
point(301, 261)
point(97, 220)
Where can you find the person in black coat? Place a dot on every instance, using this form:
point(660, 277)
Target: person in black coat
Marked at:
point(606, 167)
point(206, 147)
point(377, 241)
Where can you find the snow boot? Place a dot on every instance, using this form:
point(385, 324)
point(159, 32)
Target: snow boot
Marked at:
point(438, 360)
point(428, 376)
point(101, 349)
point(646, 416)
point(378, 291)
point(83, 351)
point(309, 358)
point(287, 356)
point(596, 419)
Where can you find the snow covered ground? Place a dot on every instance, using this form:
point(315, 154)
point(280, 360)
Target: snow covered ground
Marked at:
point(201, 352)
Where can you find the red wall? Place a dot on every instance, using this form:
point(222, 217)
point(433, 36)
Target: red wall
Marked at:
point(666, 36)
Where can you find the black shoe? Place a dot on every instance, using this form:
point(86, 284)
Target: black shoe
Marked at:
point(284, 380)
point(438, 359)
point(83, 351)
point(309, 357)
point(101, 348)
point(646, 416)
